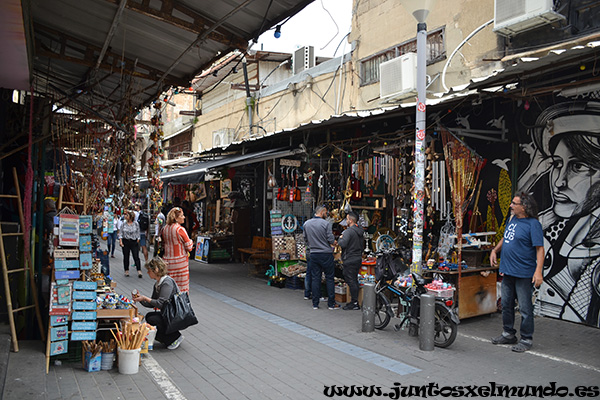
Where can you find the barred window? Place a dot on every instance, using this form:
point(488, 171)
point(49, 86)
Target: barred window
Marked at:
point(436, 51)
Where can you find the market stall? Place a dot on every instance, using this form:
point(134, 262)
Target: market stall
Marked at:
point(83, 301)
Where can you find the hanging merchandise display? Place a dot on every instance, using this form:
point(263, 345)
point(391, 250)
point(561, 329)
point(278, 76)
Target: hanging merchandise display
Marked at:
point(156, 153)
point(464, 166)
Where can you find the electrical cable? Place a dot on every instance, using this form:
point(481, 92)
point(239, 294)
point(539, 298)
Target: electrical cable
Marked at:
point(457, 48)
point(335, 23)
point(262, 25)
point(229, 73)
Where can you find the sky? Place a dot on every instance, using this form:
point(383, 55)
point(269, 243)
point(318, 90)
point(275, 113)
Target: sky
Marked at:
point(313, 26)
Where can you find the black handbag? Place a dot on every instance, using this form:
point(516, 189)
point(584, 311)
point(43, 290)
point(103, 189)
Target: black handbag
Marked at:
point(178, 313)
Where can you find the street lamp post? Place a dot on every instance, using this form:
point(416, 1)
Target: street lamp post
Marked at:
point(420, 10)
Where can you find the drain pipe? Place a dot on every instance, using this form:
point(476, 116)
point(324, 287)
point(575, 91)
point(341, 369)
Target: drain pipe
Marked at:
point(248, 97)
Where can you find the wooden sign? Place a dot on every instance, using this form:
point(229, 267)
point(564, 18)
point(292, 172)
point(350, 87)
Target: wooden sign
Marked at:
point(60, 347)
point(83, 315)
point(85, 224)
point(85, 261)
point(59, 333)
point(66, 253)
point(82, 285)
point(66, 264)
point(84, 295)
point(83, 335)
point(68, 274)
point(68, 230)
point(56, 320)
point(84, 326)
point(84, 305)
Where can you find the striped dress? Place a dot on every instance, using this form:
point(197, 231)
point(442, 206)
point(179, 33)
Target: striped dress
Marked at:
point(177, 244)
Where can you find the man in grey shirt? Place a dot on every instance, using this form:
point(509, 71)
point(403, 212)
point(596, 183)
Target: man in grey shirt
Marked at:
point(319, 239)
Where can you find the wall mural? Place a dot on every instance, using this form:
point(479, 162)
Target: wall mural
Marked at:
point(563, 173)
point(559, 163)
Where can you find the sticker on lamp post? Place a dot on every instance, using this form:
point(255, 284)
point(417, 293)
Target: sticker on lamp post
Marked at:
point(421, 107)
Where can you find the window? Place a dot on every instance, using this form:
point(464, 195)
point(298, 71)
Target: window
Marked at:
point(436, 51)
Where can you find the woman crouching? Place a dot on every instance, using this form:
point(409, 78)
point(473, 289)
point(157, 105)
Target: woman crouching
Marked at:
point(164, 288)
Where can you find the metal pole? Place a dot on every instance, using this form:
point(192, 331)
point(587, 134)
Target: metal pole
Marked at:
point(368, 307)
point(427, 322)
point(248, 96)
point(419, 193)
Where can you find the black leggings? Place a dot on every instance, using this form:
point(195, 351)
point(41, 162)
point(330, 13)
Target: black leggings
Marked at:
point(133, 246)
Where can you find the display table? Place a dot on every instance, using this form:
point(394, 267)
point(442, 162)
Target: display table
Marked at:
point(476, 291)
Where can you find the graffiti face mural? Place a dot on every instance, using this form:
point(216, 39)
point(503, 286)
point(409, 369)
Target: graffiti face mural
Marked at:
point(564, 164)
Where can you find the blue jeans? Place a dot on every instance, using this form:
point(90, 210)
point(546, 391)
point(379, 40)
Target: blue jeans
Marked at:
point(319, 263)
point(522, 290)
point(111, 242)
point(308, 279)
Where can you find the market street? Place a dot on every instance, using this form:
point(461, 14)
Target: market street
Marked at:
point(259, 342)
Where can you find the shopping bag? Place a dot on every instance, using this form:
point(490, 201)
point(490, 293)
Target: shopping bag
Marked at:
point(178, 313)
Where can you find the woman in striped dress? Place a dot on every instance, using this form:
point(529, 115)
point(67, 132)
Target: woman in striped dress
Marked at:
point(177, 244)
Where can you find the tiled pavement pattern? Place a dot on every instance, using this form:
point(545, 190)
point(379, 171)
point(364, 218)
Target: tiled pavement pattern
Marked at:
point(258, 342)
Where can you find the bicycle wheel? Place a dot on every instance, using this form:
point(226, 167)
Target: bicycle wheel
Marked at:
point(382, 317)
point(445, 329)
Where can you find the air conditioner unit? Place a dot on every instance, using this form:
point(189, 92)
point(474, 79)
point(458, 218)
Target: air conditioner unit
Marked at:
point(398, 77)
point(515, 16)
point(304, 58)
point(223, 137)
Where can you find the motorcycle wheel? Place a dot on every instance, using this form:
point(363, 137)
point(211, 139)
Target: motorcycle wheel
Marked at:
point(382, 317)
point(445, 328)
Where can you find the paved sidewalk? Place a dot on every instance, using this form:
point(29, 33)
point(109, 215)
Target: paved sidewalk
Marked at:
point(258, 342)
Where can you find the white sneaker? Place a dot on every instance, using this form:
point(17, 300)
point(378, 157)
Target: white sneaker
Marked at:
point(176, 343)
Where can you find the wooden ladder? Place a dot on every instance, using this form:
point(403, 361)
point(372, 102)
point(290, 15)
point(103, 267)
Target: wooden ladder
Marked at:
point(28, 270)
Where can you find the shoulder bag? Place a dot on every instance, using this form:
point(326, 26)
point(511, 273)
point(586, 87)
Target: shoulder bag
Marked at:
point(178, 313)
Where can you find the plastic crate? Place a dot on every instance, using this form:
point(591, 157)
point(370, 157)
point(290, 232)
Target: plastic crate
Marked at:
point(294, 282)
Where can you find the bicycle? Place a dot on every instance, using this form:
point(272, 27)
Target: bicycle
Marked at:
point(391, 301)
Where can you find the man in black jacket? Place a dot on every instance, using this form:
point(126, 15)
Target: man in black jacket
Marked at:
point(352, 244)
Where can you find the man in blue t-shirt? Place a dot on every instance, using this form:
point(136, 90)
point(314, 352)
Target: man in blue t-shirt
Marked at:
point(521, 267)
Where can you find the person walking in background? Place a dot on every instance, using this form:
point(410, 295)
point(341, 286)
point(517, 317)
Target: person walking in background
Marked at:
point(319, 239)
point(129, 239)
point(112, 235)
point(521, 267)
point(352, 243)
point(177, 244)
point(158, 225)
point(163, 290)
point(143, 220)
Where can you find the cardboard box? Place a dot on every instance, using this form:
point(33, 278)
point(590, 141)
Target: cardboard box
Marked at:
point(342, 298)
point(92, 364)
point(341, 289)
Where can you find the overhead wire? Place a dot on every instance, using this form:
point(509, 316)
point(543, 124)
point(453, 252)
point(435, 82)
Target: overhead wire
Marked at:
point(335, 23)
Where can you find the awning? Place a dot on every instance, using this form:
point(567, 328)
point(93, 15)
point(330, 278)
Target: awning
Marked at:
point(195, 173)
